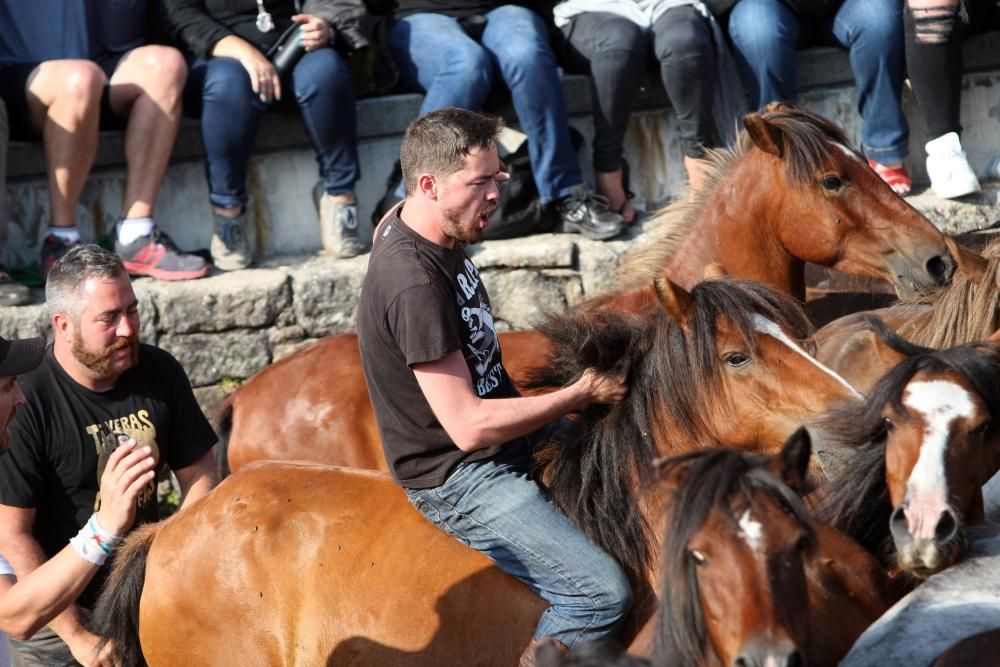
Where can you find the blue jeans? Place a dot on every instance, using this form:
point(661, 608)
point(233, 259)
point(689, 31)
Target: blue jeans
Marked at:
point(766, 33)
point(437, 57)
point(219, 89)
point(494, 507)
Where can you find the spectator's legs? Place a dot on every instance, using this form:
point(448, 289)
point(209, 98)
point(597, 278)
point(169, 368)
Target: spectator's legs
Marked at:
point(612, 50)
point(765, 34)
point(682, 40)
point(64, 104)
point(146, 87)
point(435, 56)
point(230, 115)
point(517, 39)
point(873, 32)
point(325, 93)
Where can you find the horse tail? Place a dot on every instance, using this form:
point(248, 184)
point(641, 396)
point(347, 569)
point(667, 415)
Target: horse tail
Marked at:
point(116, 616)
point(224, 429)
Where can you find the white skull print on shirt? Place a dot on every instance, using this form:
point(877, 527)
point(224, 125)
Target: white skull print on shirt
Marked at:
point(479, 333)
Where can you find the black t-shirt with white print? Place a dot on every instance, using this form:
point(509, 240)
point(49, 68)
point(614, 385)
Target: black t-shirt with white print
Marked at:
point(420, 302)
point(63, 434)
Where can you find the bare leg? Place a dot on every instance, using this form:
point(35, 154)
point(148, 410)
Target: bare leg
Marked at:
point(609, 184)
point(64, 104)
point(147, 87)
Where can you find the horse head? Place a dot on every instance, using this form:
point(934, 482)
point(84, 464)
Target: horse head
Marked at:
point(829, 207)
point(734, 554)
point(911, 491)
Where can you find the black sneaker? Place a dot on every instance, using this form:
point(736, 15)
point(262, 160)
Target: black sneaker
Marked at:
point(156, 255)
point(53, 248)
point(588, 213)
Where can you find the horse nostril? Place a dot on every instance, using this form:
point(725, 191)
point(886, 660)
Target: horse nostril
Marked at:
point(795, 659)
point(947, 526)
point(740, 661)
point(939, 269)
point(898, 525)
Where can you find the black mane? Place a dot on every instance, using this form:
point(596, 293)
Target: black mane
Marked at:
point(596, 469)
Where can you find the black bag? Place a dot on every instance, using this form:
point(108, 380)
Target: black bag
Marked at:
point(289, 49)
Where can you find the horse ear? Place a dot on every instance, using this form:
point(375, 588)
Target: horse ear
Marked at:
point(764, 134)
point(994, 337)
point(792, 463)
point(714, 270)
point(970, 263)
point(674, 299)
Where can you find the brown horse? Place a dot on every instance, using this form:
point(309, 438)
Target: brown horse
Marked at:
point(965, 311)
point(792, 191)
point(293, 563)
point(908, 495)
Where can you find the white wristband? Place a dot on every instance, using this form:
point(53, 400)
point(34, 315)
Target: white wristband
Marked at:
point(94, 543)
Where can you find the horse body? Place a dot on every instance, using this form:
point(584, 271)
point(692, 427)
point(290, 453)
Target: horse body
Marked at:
point(305, 564)
point(792, 191)
point(955, 604)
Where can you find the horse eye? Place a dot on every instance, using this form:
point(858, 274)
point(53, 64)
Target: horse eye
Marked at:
point(887, 425)
point(736, 359)
point(982, 429)
point(831, 182)
point(698, 557)
point(802, 544)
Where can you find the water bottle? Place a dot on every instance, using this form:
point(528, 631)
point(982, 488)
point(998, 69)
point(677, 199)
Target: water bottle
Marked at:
point(288, 51)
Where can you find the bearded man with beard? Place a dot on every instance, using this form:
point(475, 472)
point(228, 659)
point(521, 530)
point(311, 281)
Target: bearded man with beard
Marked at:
point(95, 383)
point(456, 434)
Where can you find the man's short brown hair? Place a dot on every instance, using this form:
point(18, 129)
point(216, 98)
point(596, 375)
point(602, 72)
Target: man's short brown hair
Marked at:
point(437, 142)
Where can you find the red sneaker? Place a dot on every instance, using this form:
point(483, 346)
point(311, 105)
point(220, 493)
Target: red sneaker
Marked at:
point(156, 255)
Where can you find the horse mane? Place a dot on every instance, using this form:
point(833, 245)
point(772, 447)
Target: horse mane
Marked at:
point(596, 468)
point(960, 312)
point(806, 136)
point(710, 479)
point(857, 501)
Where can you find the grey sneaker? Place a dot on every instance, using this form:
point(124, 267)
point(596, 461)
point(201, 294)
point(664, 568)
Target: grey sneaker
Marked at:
point(338, 226)
point(590, 214)
point(233, 242)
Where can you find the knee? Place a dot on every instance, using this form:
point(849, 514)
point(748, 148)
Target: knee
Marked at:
point(321, 70)
point(468, 62)
point(162, 67)
point(753, 25)
point(619, 34)
point(226, 82)
point(81, 81)
point(615, 599)
point(683, 42)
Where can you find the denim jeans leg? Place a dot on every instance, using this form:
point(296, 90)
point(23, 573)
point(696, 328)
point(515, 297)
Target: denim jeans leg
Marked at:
point(324, 92)
point(873, 32)
point(436, 57)
point(765, 34)
point(516, 37)
point(230, 114)
point(494, 507)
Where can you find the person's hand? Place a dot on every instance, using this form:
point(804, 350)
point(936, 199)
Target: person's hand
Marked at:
point(607, 388)
point(129, 470)
point(316, 32)
point(83, 645)
point(263, 78)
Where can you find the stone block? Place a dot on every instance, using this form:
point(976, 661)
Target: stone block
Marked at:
point(521, 297)
point(325, 294)
point(531, 252)
point(210, 357)
point(25, 321)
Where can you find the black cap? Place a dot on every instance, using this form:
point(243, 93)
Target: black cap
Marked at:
point(20, 356)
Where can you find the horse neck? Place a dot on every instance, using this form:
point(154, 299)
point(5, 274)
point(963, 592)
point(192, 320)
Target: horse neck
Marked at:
point(737, 227)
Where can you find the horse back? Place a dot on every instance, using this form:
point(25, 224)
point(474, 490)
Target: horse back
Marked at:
point(297, 563)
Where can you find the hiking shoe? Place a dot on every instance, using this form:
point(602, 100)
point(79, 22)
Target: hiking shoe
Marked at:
point(590, 214)
point(338, 226)
point(233, 242)
point(13, 293)
point(948, 168)
point(157, 255)
point(53, 248)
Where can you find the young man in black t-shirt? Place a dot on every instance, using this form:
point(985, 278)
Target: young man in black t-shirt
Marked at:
point(454, 430)
point(96, 382)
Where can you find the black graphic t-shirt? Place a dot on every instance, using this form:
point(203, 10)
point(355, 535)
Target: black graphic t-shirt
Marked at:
point(62, 437)
point(420, 302)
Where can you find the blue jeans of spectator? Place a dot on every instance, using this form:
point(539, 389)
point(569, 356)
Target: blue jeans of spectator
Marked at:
point(766, 33)
point(494, 507)
point(219, 90)
point(437, 57)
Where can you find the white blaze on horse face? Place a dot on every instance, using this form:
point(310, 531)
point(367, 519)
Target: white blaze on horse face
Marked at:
point(766, 326)
point(939, 403)
point(846, 150)
point(751, 530)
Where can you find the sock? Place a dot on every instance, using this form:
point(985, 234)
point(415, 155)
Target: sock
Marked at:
point(66, 234)
point(129, 229)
